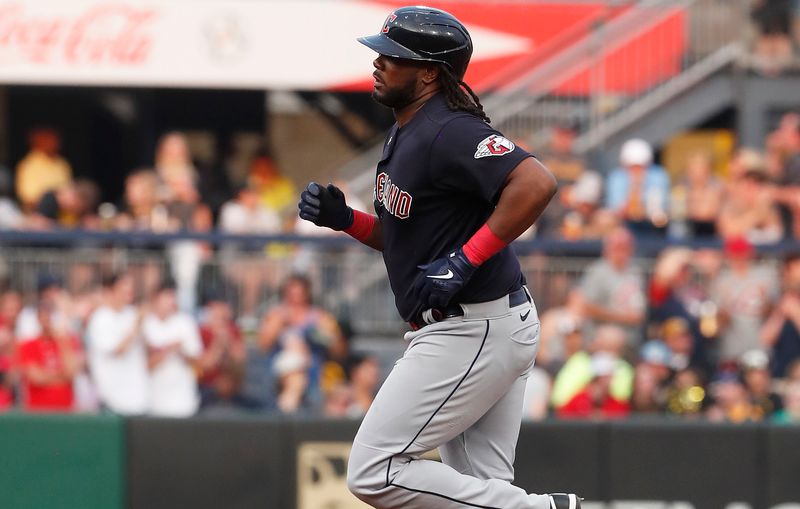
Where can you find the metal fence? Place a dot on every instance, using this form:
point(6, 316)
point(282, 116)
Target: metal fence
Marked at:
point(623, 66)
point(350, 282)
point(347, 279)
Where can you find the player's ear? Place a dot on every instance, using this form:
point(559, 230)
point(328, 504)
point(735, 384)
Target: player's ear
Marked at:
point(431, 74)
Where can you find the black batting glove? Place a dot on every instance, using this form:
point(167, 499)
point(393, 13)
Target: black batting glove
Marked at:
point(442, 279)
point(325, 206)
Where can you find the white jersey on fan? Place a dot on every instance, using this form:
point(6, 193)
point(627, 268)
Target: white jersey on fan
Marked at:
point(173, 384)
point(120, 378)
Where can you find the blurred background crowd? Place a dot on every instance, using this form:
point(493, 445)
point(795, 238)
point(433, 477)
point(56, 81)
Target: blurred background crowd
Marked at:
point(748, 192)
point(666, 272)
point(776, 34)
point(698, 332)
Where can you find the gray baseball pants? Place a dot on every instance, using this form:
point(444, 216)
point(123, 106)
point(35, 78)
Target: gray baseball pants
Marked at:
point(459, 387)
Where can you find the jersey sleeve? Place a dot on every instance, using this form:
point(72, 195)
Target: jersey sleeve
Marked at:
point(469, 156)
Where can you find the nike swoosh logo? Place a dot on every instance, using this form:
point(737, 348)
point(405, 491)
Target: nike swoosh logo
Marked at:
point(524, 316)
point(449, 275)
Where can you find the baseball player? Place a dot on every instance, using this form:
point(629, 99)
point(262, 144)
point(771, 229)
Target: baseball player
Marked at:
point(450, 194)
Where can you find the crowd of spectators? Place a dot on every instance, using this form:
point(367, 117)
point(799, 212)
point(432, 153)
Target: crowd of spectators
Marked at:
point(706, 334)
point(710, 334)
point(697, 333)
point(173, 194)
point(144, 341)
point(755, 196)
point(114, 349)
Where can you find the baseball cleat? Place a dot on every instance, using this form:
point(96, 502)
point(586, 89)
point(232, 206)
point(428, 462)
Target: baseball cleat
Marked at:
point(565, 501)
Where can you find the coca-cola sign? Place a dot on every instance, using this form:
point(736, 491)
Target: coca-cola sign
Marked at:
point(277, 44)
point(101, 34)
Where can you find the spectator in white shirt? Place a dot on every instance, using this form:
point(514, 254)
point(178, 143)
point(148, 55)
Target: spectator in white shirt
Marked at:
point(117, 355)
point(246, 264)
point(174, 349)
point(247, 215)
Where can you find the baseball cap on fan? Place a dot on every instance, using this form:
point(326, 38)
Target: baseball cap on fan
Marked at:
point(656, 352)
point(588, 188)
point(603, 364)
point(424, 34)
point(738, 247)
point(726, 376)
point(636, 152)
point(754, 359)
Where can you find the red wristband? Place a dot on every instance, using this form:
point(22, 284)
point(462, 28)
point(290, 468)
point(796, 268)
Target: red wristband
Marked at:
point(483, 245)
point(362, 226)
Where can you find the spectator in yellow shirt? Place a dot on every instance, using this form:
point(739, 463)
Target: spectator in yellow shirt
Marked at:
point(275, 190)
point(42, 169)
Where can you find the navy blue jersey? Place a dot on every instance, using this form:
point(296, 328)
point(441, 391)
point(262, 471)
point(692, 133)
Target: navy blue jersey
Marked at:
point(436, 184)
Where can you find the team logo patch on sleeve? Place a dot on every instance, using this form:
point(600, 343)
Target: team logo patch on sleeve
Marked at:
point(494, 145)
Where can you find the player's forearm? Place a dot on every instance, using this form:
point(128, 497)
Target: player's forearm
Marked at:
point(374, 238)
point(528, 190)
point(326, 206)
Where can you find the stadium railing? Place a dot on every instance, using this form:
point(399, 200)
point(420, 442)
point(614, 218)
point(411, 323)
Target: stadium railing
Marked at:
point(348, 279)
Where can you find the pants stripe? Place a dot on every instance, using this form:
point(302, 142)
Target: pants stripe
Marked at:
point(483, 342)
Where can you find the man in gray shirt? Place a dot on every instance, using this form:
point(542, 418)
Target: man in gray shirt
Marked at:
point(614, 289)
point(743, 293)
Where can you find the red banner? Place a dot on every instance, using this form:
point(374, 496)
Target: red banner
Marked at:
point(549, 28)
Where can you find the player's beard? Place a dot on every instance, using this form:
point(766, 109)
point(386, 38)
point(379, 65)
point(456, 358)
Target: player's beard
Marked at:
point(398, 97)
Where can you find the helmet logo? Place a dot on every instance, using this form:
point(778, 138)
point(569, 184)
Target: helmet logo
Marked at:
point(391, 18)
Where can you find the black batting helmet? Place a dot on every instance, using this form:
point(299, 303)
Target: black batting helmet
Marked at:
point(423, 33)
